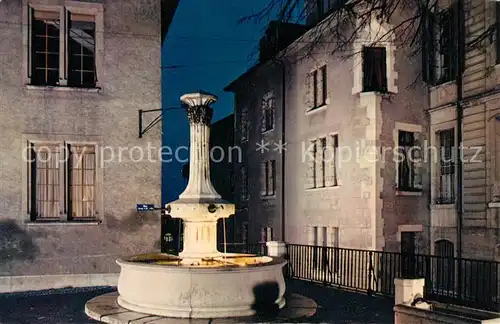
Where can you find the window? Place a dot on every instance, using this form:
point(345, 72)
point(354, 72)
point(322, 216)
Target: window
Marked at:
point(244, 183)
point(409, 178)
point(324, 7)
point(440, 46)
point(45, 47)
point(61, 182)
point(374, 69)
point(447, 167)
point(318, 79)
point(62, 51)
point(268, 111)
point(244, 124)
point(335, 243)
point(81, 51)
point(266, 234)
point(323, 157)
point(268, 178)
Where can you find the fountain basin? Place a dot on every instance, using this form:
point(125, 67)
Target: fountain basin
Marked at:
point(233, 285)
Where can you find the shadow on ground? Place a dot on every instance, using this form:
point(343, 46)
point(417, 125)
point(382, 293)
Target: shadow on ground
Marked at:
point(340, 306)
point(67, 305)
point(59, 306)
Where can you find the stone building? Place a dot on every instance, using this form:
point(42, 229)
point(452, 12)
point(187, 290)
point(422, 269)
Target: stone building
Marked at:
point(74, 75)
point(222, 158)
point(355, 112)
point(479, 99)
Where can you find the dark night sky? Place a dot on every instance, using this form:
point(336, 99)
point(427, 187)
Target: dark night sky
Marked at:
point(212, 49)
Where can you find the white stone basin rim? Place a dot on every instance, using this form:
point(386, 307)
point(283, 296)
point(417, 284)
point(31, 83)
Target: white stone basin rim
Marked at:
point(195, 292)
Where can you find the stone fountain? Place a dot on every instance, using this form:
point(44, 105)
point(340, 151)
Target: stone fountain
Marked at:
point(200, 283)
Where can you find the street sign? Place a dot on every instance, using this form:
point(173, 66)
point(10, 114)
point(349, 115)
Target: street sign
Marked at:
point(145, 207)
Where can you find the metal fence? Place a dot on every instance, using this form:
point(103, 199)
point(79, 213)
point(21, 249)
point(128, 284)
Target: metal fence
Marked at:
point(467, 282)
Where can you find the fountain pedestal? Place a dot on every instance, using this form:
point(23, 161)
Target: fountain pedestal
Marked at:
point(199, 206)
point(201, 282)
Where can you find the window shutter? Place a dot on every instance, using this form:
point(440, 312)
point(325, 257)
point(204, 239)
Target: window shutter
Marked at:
point(30, 40)
point(273, 112)
point(263, 104)
point(329, 161)
point(324, 84)
point(308, 95)
point(319, 176)
point(263, 178)
point(271, 181)
point(417, 159)
point(319, 87)
point(315, 89)
point(497, 40)
point(32, 182)
point(310, 174)
point(427, 42)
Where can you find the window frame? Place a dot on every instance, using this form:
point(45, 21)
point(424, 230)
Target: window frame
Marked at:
point(63, 217)
point(384, 86)
point(319, 99)
point(244, 192)
point(268, 109)
point(417, 131)
point(439, 199)
point(497, 30)
point(244, 122)
point(76, 7)
point(432, 54)
point(330, 140)
point(269, 178)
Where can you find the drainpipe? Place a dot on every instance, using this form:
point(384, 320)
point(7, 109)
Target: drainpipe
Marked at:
point(283, 123)
point(459, 82)
point(281, 64)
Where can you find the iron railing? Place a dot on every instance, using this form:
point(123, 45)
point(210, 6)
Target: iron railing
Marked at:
point(374, 272)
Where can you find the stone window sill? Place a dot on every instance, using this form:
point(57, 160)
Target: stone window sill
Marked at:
point(442, 206)
point(267, 131)
point(494, 204)
point(404, 193)
point(323, 188)
point(444, 84)
point(63, 89)
point(316, 109)
point(62, 223)
point(268, 197)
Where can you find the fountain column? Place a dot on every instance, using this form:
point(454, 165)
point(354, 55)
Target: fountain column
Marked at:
point(199, 206)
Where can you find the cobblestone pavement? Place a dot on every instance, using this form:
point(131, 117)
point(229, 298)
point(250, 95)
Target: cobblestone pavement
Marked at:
point(66, 305)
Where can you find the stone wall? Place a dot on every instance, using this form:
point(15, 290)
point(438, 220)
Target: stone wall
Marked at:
point(129, 77)
point(404, 314)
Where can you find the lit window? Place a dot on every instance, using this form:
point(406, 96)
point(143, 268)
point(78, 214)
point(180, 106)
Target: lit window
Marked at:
point(61, 182)
point(62, 54)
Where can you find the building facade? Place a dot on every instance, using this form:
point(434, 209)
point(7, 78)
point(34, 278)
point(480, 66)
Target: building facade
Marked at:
point(74, 75)
point(479, 102)
point(335, 130)
point(387, 203)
